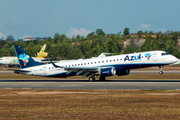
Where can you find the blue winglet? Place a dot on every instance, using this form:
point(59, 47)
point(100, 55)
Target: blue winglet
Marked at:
point(56, 66)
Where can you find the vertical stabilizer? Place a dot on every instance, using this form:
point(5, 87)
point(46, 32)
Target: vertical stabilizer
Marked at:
point(42, 54)
point(43, 48)
point(25, 60)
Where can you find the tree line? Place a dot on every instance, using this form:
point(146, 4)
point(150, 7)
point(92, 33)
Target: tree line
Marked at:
point(96, 43)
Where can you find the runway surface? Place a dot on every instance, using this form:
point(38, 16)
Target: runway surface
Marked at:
point(85, 84)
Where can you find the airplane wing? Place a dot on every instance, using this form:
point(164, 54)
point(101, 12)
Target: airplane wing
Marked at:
point(85, 71)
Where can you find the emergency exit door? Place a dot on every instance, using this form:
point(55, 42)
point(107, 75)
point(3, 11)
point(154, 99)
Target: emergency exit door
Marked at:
point(155, 56)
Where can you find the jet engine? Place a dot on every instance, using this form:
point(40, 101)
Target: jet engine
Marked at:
point(108, 71)
point(36, 54)
point(123, 72)
point(41, 55)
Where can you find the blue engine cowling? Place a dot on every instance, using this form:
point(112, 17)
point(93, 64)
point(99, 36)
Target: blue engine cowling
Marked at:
point(108, 71)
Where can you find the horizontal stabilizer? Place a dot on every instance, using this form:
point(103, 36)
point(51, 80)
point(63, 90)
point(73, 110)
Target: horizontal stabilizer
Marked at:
point(19, 70)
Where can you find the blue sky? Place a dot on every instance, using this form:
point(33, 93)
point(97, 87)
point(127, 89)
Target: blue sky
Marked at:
point(39, 18)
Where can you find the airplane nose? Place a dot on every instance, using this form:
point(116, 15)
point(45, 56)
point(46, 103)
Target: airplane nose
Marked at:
point(174, 59)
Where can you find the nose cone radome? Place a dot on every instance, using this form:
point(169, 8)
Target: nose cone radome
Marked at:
point(174, 59)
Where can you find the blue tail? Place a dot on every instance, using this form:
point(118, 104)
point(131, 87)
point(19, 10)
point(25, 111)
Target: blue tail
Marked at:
point(25, 60)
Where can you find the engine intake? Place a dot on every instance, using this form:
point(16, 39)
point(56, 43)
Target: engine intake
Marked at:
point(36, 54)
point(108, 71)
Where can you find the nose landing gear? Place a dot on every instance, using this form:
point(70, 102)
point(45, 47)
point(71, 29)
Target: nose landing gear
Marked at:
point(160, 70)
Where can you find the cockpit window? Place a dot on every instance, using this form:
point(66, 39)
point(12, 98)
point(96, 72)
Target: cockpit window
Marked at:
point(163, 54)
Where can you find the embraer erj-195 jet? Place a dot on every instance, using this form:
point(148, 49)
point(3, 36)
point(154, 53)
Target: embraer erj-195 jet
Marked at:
point(104, 66)
point(13, 61)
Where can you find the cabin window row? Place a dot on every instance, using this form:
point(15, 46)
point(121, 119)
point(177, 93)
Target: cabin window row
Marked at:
point(89, 63)
point(92, 63)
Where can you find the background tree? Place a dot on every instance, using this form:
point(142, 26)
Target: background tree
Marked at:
point(56, 37)
point(129, 49)
point(175, 38)
point(62, 37)
point(10, 37)
point(100, 32)
point(90, 35)
point(126, 31)
point(140, 33)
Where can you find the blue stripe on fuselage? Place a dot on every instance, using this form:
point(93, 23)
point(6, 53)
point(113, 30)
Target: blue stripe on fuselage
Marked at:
point(117, 67)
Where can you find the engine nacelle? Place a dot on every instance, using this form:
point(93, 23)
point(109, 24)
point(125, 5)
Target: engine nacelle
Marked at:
point(108, 71)
point(123, 72)
point(41, 55)
point(36, 54)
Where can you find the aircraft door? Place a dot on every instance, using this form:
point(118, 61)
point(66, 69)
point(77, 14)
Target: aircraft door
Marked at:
point(44, 70)
point(155, 56)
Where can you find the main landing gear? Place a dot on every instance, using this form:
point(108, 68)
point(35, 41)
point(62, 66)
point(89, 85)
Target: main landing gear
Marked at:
point(101, 78)
point(92, 79)
point(160, 70)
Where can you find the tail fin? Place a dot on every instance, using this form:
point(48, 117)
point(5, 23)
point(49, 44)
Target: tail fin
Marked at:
point(43, 49)
point(25, 60)
point(42, 54)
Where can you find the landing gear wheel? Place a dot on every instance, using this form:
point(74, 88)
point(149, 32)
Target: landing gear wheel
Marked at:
point(161, 72)
point(91, 79)
point(102, 78)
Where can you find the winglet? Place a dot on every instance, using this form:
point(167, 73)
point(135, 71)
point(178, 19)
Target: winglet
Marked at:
point(56, 66)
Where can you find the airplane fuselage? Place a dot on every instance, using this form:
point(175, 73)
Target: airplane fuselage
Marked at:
point(118, 62)
point(13, 61)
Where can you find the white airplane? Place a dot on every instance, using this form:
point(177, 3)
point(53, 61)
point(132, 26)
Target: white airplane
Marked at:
point(103, 66)
point(13, 61)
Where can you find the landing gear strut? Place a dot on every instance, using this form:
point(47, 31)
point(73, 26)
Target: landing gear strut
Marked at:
point(160, 70)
